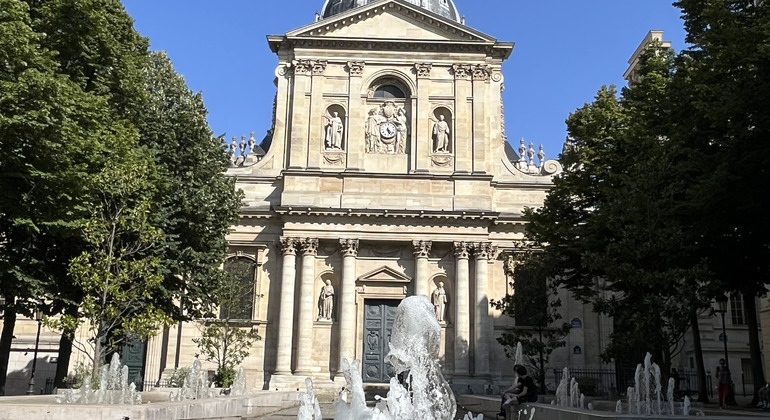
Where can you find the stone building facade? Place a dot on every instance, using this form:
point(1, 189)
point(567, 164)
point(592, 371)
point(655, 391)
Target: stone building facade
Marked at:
point(387, 175)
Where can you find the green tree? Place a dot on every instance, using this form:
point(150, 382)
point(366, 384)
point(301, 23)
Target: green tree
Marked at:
point(50, 146)
point(534, 306)
point(615, 228)
point(728, 66)
point(117, 274)
point(197, 202)
point(227, 340)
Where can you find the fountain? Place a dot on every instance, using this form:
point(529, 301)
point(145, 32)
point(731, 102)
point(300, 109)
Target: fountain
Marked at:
point(114, 388)
point(414, 348)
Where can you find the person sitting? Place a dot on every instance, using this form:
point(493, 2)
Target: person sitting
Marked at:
point(764, 397)
point(522, 391)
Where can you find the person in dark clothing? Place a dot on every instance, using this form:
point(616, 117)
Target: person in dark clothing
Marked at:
point(522, 391)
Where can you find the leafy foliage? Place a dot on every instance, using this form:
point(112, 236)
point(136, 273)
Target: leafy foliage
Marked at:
point(534, 305)
point(111, 174)
point(615, 228)
point(227, 341)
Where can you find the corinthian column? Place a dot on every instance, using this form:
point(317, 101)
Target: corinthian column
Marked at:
point(482, 251)
point(421, 253)
point(306, 298)
point(286, 316)
point(462, 310)
point(348, 303)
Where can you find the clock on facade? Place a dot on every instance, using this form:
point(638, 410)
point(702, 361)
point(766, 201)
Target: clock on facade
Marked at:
point(387, 129)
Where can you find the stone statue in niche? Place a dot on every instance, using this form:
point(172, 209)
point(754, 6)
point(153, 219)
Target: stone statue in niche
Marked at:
point(441, 136)
point(386, 129)
point(333, 131)
point(326, 302)
point(373, 130)
point(439, 299)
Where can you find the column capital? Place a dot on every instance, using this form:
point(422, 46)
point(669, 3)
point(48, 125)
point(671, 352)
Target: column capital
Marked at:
point(288, 245)
point(482, 72)
point(461, 250)
point(309, 246)
point(355, 68)
point(421, 248)
point(483, 250)
point(423, 70)
point(302, 67)
point(319, 67)
point(349, 247)
point(462, 71)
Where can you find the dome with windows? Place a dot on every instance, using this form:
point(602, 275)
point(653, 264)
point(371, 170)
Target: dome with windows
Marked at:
point(445, 8)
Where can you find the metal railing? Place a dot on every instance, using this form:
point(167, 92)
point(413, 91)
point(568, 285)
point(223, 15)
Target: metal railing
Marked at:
point(602, 382)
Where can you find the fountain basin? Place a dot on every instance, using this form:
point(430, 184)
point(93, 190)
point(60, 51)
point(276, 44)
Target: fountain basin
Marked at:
point(250, 406)
point(551, 412)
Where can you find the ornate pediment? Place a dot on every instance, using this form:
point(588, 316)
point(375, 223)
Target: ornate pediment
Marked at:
point(393, 20)
point(384, 274)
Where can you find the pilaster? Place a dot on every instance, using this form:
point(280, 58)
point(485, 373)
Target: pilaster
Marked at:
point(298, 138)
point(463, 145)
point(356, 117)
point(481, 77)
point(317, 111)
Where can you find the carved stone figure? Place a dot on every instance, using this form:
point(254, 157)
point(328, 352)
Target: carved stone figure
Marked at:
point(326, 302)
point(386, 129)
point(333, 131)
point(401, 127)
point(441, 135)
point(439, 298)
point(373, 122)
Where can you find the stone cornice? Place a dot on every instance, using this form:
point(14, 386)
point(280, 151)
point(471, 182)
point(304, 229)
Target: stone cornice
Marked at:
point(411, 214)
point(499, 50)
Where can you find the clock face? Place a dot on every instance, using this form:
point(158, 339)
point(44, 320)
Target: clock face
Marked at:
point(387, 129)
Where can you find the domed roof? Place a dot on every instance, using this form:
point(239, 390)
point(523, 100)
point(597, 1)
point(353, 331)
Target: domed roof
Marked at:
point(445, 8)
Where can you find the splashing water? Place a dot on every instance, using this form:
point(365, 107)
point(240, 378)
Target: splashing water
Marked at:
point(114, 387)
point(308, 403)
point(414, 347)
point(239, 387)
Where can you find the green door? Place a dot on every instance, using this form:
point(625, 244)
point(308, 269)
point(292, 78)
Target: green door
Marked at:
point(134, 357)
point(379, 315)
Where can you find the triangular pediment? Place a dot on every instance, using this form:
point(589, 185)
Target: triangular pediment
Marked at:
point(385, 274)
point(391, 20)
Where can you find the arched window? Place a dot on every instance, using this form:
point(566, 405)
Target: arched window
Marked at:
point(388, 92)
point(237, 297)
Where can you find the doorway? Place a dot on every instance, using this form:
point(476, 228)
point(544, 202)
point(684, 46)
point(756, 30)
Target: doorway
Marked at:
point(379, 315)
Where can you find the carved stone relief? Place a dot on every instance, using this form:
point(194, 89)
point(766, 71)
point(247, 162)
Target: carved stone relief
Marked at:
point(441, 136)
point(334, 158)
point(439, 300)
point(355, 68)
point(386, 129)
point(482, 72)
point(423, 70)
point(333, 131)
point(462, 71)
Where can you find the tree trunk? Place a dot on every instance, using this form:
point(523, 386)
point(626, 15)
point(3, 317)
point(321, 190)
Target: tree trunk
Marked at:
point(65, 351)
point(749, 300)
point(9, 321)
point(701, 366)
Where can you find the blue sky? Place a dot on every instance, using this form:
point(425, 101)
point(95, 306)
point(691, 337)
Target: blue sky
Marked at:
point(565, 51)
